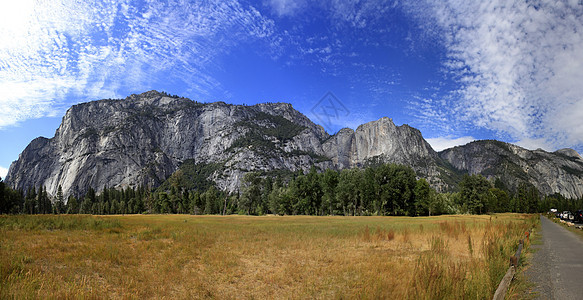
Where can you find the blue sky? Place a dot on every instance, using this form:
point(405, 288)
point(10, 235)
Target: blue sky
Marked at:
point(456, 70)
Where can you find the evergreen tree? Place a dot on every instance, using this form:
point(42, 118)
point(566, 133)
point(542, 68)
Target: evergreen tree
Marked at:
point(11, 201)
point(443, 204)
point(91, 195)
point(72, 205)
point(149, 202)
point(528, 198)
point(370, 191)
point(231, 204)
point(396, 189)
point(123, 208)
point(195, 203)
point(132, 206)
point(274, 200)
point(164, 203)
point(211, 201)
point(313, 192)
point(533, 199)
point(475, 193)
point(347, 190)
point(85, 207)
point(501, 201)
point(423, 199)
point(299, 189)
point(266, 190)
point(43, 203)
point(186, 205)
point(95, 208)
point(251, 193)
point(329, 182)
point(104, 197)
point(383, 204)
point(60, 203)
point(139, 204)
point(29, 201)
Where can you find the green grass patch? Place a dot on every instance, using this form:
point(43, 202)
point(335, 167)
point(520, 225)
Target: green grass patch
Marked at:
point(57, 222)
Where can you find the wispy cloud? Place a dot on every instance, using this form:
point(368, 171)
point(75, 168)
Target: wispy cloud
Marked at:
point(517, 65)
point(93, 49)
point(286, 7)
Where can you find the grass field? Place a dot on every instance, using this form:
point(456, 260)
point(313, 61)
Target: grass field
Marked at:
point(297, 257)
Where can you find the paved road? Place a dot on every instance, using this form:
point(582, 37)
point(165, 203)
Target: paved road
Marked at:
point(557, 267)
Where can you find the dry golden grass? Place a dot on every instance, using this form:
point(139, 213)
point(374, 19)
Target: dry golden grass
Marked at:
point(182, 256)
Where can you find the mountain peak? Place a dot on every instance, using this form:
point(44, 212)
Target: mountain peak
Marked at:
point(152, 94)
point(569, 152)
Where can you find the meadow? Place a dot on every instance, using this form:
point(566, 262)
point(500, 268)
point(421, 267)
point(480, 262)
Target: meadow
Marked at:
point(291, 257)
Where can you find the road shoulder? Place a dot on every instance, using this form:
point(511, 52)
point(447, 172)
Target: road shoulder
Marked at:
point(556, 268)
point(537, 272)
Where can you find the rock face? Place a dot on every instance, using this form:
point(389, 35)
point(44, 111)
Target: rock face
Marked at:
point(382, 141)
point(559, 172)
point(144, 139)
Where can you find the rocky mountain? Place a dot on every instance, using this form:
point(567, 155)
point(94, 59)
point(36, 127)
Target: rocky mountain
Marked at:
point(382, 141)
point(557, 172)
point(145, 139)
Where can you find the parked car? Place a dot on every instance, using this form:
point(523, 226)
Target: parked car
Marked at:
point(571, 217)
point(565, 215)
point(578, 216)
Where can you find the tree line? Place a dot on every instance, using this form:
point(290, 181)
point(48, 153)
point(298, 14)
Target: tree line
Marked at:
point(386, 189)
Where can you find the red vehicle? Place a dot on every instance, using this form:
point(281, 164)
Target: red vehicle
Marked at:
point(578, 216)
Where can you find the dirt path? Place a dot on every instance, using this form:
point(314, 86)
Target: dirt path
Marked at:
point(557, 266)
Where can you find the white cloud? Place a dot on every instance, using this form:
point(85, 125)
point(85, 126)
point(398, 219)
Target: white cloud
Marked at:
point(442, 143)
point(518, 65)
point(3, 172)
point(92, 49)
point(286, 7)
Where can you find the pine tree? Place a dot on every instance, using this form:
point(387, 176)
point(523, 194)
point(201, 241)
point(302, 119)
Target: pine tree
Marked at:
point(329, 181)
point(475, 193)
point(85, 207)
point(423, 197)
point(314, 192)
point(211, 201)
point(30, 201)
point(43, 202)
point(72, 205)
point(251, 193)
point(60, 204)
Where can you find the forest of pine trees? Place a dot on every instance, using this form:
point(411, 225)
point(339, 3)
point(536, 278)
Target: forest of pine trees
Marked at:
point(386, 189)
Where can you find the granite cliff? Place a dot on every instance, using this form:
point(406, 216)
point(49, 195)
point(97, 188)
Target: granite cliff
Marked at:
point(144, 139)
point(550, 172)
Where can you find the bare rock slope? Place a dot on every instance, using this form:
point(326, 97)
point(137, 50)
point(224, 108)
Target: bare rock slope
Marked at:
point(144, 139)
point(550, 172)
